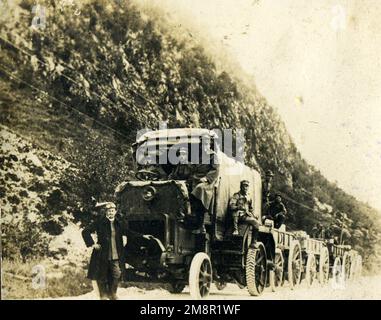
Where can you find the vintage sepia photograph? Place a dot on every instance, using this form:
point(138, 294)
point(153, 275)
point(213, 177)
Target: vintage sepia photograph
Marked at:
point(190, 150)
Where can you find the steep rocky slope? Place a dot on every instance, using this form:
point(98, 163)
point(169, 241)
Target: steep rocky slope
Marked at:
point(84, 85)
point(32, 197)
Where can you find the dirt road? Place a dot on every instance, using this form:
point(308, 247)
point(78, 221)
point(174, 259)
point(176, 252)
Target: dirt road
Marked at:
point(364, 288)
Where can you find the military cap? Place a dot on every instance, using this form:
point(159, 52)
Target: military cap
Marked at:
point(105, 205)
point(245, 182)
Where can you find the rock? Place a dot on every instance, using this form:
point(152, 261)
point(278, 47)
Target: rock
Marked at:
point(23, 193)
point(13, 157)
point(33, 159)
point(14, 199)
point(12, 177)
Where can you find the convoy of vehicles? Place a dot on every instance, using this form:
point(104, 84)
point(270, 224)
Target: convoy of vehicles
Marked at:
point(177, 255)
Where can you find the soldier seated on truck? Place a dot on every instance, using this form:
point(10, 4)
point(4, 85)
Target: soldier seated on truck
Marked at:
point(241, 207)
point(200, 180)
point(277, 212)
point(203, 179)
point(183, 170)
point(150, 169)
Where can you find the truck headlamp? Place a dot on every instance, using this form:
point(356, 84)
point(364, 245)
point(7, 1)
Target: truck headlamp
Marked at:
point(148, 193)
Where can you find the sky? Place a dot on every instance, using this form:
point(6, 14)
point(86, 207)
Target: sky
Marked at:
point(318, 63)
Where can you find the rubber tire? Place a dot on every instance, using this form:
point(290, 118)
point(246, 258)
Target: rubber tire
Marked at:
point(194, 275)
point(254, 288)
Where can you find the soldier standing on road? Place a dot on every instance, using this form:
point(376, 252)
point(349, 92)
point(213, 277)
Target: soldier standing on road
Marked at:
point(242, 210)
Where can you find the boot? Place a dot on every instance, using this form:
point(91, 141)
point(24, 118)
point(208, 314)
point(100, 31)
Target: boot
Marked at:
point(235, 226)
point(113, 289)
point(103, 289)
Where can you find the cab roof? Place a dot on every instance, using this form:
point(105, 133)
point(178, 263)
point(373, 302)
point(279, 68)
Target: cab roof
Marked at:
point(174, 133)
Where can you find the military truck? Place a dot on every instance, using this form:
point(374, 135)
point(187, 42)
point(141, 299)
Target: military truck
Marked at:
point(179, 252)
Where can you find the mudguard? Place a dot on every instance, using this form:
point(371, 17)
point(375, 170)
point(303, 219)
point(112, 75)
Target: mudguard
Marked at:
point(143, 253)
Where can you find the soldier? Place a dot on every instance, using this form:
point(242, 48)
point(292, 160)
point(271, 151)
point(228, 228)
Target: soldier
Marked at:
point(203, 179)
point(151, 169)
point(277, 212)
point(242, 210)
point(318, 231)
point(183, 170)
point(344, 236)
point(267, 188)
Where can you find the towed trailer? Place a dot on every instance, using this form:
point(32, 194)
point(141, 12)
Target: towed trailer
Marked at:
point(346, 263)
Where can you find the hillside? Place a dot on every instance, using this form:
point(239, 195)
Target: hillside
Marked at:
point(82, 87)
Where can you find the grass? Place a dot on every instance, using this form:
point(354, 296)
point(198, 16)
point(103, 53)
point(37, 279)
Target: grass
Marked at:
point(21, 282)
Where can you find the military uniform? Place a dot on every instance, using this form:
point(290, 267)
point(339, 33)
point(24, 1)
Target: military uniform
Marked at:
point(266, 191)
point(242, 210)
point(318, 232)
point(181, 172)
point(277, 212)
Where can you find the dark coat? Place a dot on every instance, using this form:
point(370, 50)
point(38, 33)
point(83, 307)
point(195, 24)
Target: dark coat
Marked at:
point(204, 190)
point(98, 266)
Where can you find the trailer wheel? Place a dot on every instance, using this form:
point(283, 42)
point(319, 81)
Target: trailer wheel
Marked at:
point(294, 265)
point(311, 271)
point(337, 276)
point(256, 269)
point(324, 266)
point(276, 275)
point(346, 267)
point(352, 274)
point(176, 287)
point(200, 276)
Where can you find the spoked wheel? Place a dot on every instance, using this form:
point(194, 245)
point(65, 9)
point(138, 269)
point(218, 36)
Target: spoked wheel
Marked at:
point(276, 275)
point(256, 270)
point(336, 271)
point(294, 265)
point(324, 266)
point(311, 271)
point(176, 287)
point(200, 276)
point(346, 267)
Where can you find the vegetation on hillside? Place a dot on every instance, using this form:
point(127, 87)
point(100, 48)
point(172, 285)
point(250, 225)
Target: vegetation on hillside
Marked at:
point(111, 71)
